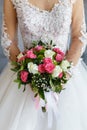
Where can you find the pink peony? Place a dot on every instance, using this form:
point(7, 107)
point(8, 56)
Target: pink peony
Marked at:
point(49, 67)
point(59, 57)
point(41, 68)
point(60, 75)
point(38, 48)
point(24, 76)
point(57, 50)
point(47, 60)
point(30, 54)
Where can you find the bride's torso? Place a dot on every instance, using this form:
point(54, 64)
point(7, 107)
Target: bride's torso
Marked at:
point(36, 24)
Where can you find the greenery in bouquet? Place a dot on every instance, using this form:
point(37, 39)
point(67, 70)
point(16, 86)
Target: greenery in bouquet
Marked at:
point(44, 67)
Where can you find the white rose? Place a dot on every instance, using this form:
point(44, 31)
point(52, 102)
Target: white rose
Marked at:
point(20, 56)
point(56, 71)
point(49, 53)
point(64, 65)
point(33, 68)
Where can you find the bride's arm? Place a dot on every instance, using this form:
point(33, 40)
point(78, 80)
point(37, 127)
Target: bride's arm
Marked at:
point(9, 31)
point(79, 35)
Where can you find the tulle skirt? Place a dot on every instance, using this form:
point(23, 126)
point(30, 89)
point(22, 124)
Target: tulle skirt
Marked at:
point(69, 112)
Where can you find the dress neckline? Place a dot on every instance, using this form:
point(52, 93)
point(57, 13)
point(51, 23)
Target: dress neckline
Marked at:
point(43, 10)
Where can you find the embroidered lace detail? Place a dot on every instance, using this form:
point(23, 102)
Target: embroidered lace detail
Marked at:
point(5, 40)
point(36, 24)
point(9, 27)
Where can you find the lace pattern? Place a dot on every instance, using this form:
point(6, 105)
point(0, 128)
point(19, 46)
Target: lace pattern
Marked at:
point(43, 25)
point(9, 27)
point(5, 40)
point(36, 24)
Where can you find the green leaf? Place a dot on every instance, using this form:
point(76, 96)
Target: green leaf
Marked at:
point(40, 57)
point(52, 85)
point(19, 85)
point(41, 94)
point(51, 42)
point(14, 69)
point(17, 80)
point(55, 62)
point(24, 88)
point(22, 67)
point(42, 51)
point(28, 60)
point(36, 95)
point(35, 89)
point(14, 63)
point(56, 88)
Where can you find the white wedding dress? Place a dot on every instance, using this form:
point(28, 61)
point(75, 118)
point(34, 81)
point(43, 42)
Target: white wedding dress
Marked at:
point(17, 109)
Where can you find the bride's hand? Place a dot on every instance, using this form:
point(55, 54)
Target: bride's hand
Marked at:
point(68, 76)
point(14, 51)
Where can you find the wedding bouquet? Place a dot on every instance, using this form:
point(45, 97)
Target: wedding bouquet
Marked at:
point(44, 67)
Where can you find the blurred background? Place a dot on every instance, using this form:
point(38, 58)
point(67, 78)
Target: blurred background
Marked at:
point(3, 59)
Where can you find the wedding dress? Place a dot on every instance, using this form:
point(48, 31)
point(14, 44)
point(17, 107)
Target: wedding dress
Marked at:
point(17, 109)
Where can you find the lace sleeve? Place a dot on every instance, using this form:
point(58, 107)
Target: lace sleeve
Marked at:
point(9, 27)
point(79, 24)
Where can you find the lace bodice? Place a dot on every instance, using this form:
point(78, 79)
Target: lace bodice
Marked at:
point(36, 24)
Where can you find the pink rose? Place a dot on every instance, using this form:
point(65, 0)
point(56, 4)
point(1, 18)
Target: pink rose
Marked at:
point(24, 76)
point(38, 48)
point(41, 68)
point(61, 53)
point(49, 67)
point(60, 75)
point(47, 60)
point(57, 50)
point(30, 54)
point(59, 57)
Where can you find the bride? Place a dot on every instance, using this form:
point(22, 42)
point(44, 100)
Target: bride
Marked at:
point(63, 22)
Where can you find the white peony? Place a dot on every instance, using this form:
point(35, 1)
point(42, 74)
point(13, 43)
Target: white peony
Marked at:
point(49, 53)
point(64, 65)
point(33, 68)
point(56, 71)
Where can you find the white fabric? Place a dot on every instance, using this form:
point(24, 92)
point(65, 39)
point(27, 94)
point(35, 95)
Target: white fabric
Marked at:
point(17, 109)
